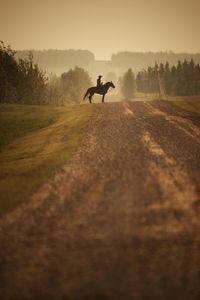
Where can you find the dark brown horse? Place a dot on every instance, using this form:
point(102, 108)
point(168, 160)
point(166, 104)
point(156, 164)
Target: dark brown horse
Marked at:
point(101, 90)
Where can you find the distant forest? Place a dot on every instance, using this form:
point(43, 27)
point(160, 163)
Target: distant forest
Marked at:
point(59, 61)
point(182, 79)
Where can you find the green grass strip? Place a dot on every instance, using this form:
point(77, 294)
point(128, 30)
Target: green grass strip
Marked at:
point(35, 142)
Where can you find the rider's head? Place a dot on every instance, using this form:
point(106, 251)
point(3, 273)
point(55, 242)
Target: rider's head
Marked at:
point(100, 76)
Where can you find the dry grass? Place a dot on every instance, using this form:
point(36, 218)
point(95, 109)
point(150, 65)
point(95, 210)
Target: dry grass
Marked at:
point(188, 104)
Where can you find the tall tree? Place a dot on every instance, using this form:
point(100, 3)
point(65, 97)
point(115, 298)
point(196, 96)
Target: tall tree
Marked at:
point(8, 74)
point(33, 82)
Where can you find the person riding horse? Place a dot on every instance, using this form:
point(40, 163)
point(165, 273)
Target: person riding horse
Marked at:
point(100, 89)
point(99, 83)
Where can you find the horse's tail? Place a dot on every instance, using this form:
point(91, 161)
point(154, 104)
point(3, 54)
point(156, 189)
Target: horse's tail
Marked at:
point(86, 94)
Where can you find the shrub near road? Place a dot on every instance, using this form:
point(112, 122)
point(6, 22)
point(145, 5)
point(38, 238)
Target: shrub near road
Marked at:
point(35, 142)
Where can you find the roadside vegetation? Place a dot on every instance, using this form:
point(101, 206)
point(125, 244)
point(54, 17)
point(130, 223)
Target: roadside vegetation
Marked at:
point(69, 87)
point(182, 79)
point(35, 142)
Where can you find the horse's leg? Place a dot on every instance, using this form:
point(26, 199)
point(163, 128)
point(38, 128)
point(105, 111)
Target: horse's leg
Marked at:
point(103, 98)
point(90, 98)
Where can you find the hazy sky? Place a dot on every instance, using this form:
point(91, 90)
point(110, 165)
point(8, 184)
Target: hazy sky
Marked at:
point(104, 27)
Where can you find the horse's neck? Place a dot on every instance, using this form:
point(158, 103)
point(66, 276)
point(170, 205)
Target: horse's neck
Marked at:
point(106, 85)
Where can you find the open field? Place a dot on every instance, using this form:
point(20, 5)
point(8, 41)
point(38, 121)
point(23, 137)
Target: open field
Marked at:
point(35, 142)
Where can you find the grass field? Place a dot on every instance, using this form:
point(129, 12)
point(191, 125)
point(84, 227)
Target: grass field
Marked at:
point(34, 142)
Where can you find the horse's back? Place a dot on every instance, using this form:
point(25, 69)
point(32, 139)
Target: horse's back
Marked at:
point(94, 89)
point(99, 89)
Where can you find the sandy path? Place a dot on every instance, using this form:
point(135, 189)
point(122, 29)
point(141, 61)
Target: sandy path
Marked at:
point(121, 219)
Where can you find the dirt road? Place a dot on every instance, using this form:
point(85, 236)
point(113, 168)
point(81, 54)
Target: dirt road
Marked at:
point(120, 221)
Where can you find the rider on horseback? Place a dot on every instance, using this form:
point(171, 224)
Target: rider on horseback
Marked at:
point(101, 89)
point(99, 83)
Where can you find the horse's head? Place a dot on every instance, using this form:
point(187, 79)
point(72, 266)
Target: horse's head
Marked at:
point(111, 84)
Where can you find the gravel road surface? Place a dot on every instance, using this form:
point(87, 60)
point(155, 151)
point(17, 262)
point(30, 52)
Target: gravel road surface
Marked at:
point(120, 221)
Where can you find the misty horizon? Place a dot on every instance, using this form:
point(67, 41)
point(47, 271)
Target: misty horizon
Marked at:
point(110, 55)
point(59, 61)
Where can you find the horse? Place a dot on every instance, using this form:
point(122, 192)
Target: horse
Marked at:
point(101, 90)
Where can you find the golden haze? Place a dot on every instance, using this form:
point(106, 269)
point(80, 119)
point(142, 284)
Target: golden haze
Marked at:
point(104, 27)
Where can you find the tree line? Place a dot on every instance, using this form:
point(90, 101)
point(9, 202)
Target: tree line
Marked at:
point(54, 59)
point(22, 81)
point(180, 80)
